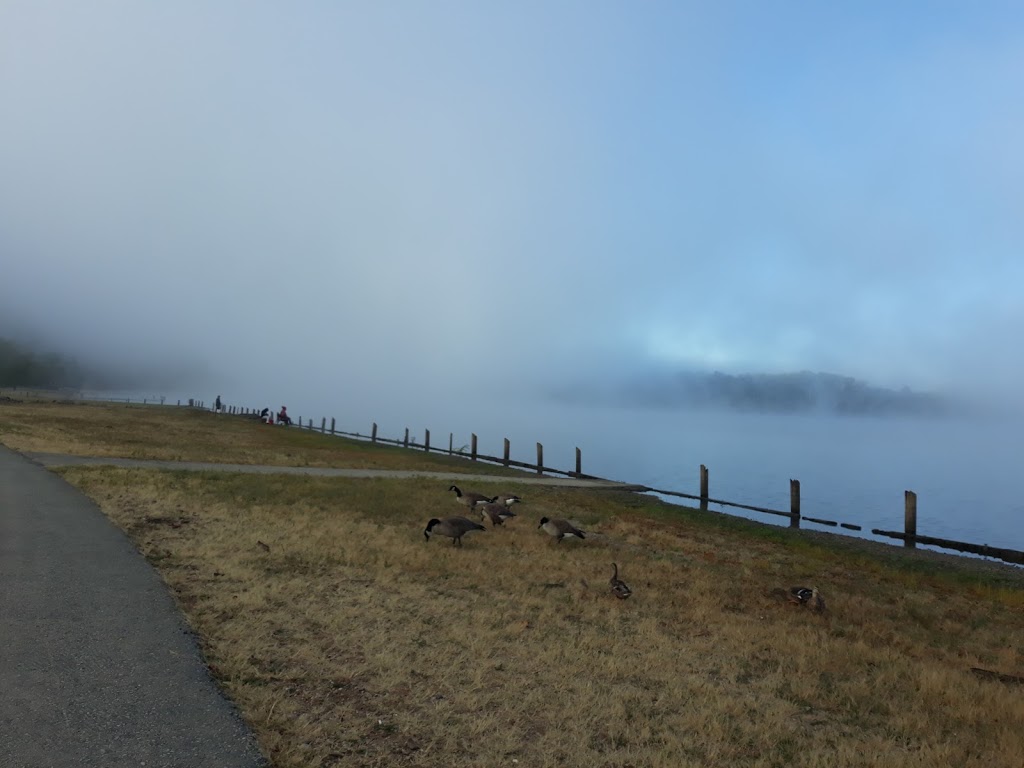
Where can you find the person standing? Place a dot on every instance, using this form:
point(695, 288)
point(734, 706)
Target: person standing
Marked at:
point(216, 405)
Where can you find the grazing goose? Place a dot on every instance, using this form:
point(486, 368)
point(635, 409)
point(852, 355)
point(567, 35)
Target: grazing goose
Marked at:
point(508, 499)
point(809, 597)
point(619, 588)
point(560, 528)
point(496, 512)
point(452, 527)
point(469, 498)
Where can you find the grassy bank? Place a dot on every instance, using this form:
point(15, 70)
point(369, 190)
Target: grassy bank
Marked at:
point(349, 640)
point(186, 434)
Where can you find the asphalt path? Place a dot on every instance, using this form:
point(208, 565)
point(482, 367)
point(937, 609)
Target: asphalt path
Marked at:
point(97, 667)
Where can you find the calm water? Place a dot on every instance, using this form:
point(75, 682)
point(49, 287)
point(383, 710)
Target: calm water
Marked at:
point(967, 474)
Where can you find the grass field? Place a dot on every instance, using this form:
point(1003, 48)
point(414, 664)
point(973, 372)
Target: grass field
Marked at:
point(186, 434)
point(354, 642)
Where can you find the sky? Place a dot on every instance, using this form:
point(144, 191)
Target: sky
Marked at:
point(367, 200)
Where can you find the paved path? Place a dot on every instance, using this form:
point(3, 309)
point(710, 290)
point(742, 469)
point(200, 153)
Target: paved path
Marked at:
point(62, 460)
point(97, 668)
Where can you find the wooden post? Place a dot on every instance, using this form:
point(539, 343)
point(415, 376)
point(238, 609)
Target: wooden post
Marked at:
point(472, 447)
point(540, 459)
point(451, 443)
point(504, 458)
point(579, 463)
point(426, 440)
point(373, 434)
point(323, 424)
point(179, 403)
point(910, 518)
point(794, 503)
point(703, 487)
point(406, 442)
point(332, 425)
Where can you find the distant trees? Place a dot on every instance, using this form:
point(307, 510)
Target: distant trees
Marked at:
point(21, 367)
point(802, 392)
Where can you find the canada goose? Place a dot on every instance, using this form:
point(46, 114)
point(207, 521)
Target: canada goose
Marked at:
point(560, 528)
point(496, 512)
point(452, 527)
point(809, 597)
point(619, 588)
point(469, 498)
point(508, 499)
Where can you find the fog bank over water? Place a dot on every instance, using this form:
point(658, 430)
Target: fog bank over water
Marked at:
point(453, 207)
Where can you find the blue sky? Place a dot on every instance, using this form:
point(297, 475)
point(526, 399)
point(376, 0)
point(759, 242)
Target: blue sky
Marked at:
point(415, 187)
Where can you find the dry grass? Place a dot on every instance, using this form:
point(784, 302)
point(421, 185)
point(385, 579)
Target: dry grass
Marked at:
point(355, 642)
point(185, 434)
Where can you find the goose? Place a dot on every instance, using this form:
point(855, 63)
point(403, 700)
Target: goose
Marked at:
point(508, 499)
point(619, 588)
point(560, 528)
point(809, 597)
point(469, 498)
point(496, 512)
point(452, 527)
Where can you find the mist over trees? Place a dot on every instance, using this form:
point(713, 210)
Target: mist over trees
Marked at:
point(24, 367)
point(35, 365)
point(764, 392)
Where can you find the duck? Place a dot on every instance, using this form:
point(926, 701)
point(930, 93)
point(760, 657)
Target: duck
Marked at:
point(560, 528)
point(470, 498)
point(496, 512)
point(807, 596)
point(619, 588)
point(452, 527)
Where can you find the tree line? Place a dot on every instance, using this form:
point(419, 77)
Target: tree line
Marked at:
point(23, 367)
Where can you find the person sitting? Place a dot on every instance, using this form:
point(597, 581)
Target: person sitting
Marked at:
point(264, 413)
point(283, 417)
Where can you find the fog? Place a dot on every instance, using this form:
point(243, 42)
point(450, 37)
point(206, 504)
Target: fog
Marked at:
point(402, 207)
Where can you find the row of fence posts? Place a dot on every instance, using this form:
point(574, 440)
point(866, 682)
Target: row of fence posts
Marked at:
point(910, 498)
point(909, 510)
point(474, 454)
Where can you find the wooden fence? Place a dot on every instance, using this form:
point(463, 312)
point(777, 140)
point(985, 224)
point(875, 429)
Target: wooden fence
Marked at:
point(909, 536)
